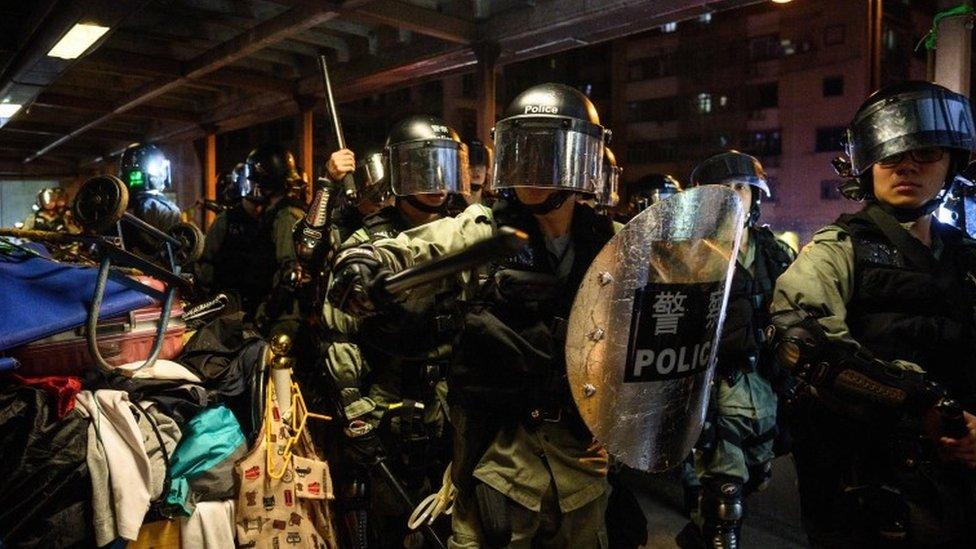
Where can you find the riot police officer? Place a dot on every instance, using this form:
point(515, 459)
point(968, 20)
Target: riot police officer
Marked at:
point(649, 190)
point(423, 163)
point(229, 249)
point(50, 212)
point(479, 160)
point(737, 451)
point(270, 175)
point(875, 317)
point(372, 190)
point(527, 469)
point(146, 172)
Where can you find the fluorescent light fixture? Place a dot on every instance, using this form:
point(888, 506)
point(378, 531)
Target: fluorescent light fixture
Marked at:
point(77, 41)
point(782, 1)
point(7, 110)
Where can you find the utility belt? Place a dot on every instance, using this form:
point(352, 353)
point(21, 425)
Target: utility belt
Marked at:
point(417, 451)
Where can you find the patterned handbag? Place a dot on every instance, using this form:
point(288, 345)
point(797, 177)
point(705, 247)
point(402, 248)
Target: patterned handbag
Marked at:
point(285, 488)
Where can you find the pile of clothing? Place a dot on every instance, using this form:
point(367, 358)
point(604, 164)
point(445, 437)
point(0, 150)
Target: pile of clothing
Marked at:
point(86, 460)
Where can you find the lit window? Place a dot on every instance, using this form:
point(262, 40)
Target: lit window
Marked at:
point(669, 27)
point(723, 101)
point(705, 18)
point(788, 47)
point(704, 103)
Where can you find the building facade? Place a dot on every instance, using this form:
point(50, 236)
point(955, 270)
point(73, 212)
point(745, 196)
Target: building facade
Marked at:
point(779, 81)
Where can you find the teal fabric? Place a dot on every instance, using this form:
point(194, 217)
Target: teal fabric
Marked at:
point(209, 439)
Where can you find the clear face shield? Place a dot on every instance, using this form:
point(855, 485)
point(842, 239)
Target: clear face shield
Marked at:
point(549, 153)
point(159, 172)
point(916, 120)
point(371, 180)
point(429, 166)
point(757, 183)
point(250, 189)
point(51, 199)
point(609, 195)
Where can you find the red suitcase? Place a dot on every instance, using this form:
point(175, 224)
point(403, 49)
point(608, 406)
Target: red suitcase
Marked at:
point(121, 340)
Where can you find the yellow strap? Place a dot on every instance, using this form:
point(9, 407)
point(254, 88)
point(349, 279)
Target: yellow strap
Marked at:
point(298, 410)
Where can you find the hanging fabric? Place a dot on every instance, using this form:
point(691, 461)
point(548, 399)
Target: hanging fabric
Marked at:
point(285, 489)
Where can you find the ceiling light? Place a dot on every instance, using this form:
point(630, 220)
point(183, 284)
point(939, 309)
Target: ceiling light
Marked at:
point(782, 1)
point(77, 41)
point(7, 110)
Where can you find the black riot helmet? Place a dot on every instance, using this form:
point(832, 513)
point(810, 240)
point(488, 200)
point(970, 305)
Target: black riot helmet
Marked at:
point(425, 155)
point(651, 189)
point(371, 178)
point(609, 195)
point(144, 168)
point(551, 138)
point(733, 167)
point(903, 117)
point(268, 171)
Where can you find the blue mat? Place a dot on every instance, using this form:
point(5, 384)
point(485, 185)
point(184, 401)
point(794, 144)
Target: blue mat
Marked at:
point(40, 297)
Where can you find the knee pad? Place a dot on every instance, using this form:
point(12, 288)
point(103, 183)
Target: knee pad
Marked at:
point(721, 500)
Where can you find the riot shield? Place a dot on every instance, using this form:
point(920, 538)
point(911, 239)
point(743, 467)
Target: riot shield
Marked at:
point(645, 326)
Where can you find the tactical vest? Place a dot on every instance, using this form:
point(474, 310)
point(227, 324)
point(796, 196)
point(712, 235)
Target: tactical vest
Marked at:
point(908, 305)
point(407, 350)
point(748, 308)
point(246, 260)
point(512, 350)
point(386, 223)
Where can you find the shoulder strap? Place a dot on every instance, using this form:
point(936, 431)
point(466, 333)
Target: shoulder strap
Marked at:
point(913, 250)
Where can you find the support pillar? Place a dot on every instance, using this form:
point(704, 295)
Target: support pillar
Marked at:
point(875, 17)
point(485, 73)
point(953, 57)
point(306, 108)
point(209, 172)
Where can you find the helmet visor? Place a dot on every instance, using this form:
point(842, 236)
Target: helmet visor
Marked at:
point(429, 166)
point(250, 188)
point(609, 195)
point(158, 172)
point(646, 198)
point(930, 118)
point(371, 182)
point(551, 153)
point(728, 169)
point(755, 181)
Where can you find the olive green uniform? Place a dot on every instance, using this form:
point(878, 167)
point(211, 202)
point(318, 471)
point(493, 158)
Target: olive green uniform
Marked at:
point(372, 387)
point(745, 413)
point(554, 481)
point(821, 281)
point(282, 219)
